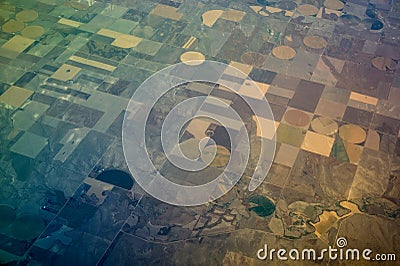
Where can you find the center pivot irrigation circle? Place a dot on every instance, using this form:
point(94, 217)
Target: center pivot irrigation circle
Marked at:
point(147, 95)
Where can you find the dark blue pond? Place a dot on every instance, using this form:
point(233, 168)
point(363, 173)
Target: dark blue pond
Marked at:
point(116, 177)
